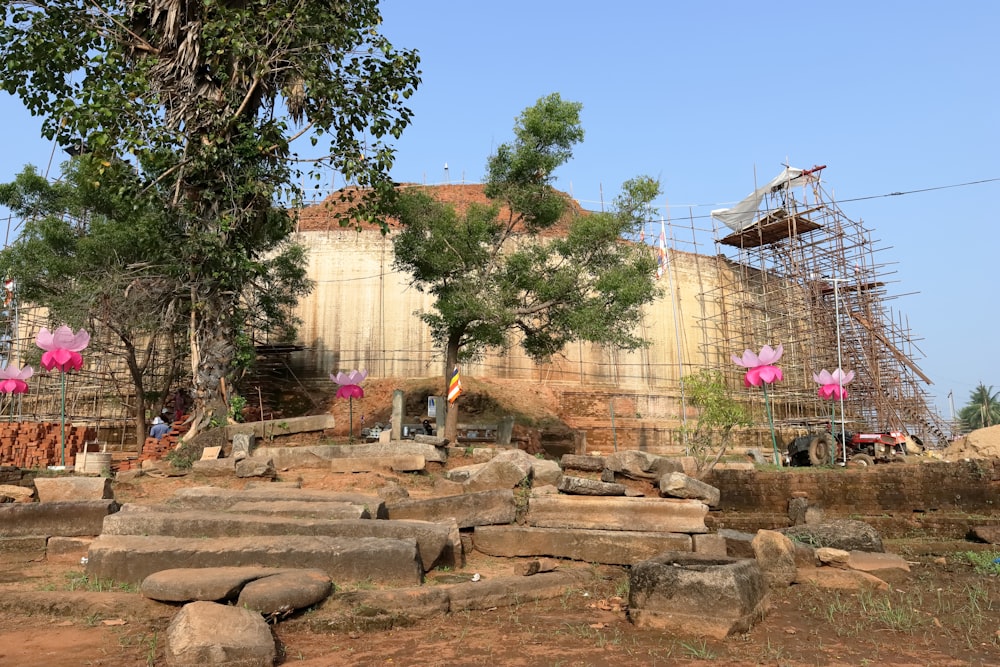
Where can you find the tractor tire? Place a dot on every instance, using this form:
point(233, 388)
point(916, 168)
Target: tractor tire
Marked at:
point(820, 450)
point(861, 461)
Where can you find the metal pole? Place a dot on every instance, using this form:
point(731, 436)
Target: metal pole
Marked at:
point(62, 440)
point(840, 367)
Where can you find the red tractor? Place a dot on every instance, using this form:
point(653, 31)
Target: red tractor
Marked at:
point(863, 449)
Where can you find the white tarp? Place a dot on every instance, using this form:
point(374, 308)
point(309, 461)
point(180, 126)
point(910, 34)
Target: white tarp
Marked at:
point(742, 215)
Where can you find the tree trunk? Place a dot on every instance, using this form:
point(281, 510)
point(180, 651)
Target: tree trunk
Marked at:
point(211, 364)
point(451, 420)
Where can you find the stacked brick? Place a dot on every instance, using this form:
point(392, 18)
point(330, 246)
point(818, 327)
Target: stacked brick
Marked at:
point(37, 444)
point(153, 449)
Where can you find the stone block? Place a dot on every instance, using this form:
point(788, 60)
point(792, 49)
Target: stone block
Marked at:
point(611, 547)
point(544, 471)
point(299, 509)
point(661, 515)
point(468, 510)
point(132, 558)
point(399, 463)
point(215, 467)
point(65, 519)
point(215, 498)
point(279, 595)
point(690, 594)
point(711, 544)
point(679, 485)
point(320, 456)
point(208, 584)
point(438, 542)
point(582, 462)
point(20, 494)
point(255, 467)
point(286, 426)
point(775, 554)
point(194, 639)
point(23, 543)
point(70, 489)
point(67, 549)
point(582, 486)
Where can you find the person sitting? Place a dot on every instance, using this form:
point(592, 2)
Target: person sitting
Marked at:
point(160, 428)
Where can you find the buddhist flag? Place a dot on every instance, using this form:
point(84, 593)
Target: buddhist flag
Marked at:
point(454, 385)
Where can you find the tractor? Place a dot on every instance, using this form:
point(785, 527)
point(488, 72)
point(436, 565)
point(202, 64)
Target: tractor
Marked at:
point(863, 449)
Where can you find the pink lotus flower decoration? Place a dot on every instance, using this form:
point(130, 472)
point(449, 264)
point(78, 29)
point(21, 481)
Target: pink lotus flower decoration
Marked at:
point(349, 384)
point(832, 384)
point(12, 380)
point(761, 366)
point(62, 348)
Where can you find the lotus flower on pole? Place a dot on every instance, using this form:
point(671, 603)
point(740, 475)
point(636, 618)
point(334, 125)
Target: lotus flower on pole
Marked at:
point(831, 388)
point(760, 367)
point(62, 351)
point(62, 348)
point(832, 384)
point(14, 380)
point(350, 389)
point(761, 372)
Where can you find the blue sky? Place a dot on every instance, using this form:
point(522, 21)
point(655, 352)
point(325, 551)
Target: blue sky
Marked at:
point(891, 96)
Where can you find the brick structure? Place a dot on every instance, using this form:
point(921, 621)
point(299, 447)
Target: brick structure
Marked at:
point(37, 444)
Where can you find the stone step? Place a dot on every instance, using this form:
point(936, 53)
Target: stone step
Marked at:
point(214, 498)
point(322, 455)
point(131, 558)
point(467, 509)
point(659, 515)
point(439, 543)
point(66, 519)
point(609, 547)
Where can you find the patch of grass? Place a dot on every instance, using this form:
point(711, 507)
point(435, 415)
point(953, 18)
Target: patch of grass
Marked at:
point(622, 588)
point(899, 617)
point(984, 562)
point(78, 581)
point(698, 650)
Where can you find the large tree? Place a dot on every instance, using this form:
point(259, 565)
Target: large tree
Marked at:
point(204, 99)
point(982, 410)
point(99, 258)
point(498, 276)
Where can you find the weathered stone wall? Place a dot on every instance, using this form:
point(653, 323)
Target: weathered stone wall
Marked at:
point(972, 487)
point(939, 499)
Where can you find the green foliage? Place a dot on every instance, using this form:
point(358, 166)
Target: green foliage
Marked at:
point(491, 271)
point(99, 258)
point(984, 562)
point(982, 410)
point(183, 457)
point(236, 405)
point(718, 415)
point(202, 105)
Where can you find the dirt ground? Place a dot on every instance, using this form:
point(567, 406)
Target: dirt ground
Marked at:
point(941, 613)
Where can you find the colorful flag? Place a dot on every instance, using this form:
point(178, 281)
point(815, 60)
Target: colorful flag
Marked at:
point(662, 252)
point(454, 385)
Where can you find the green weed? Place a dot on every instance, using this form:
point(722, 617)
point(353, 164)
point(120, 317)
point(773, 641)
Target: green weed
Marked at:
point(698, 650)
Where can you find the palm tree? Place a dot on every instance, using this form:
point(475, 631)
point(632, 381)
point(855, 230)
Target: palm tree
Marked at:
point(982, 410)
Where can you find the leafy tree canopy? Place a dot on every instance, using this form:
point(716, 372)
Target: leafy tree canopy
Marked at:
point(496, 270)
point(203, 99)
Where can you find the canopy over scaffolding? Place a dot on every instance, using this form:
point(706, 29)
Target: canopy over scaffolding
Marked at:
point(743, 214)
